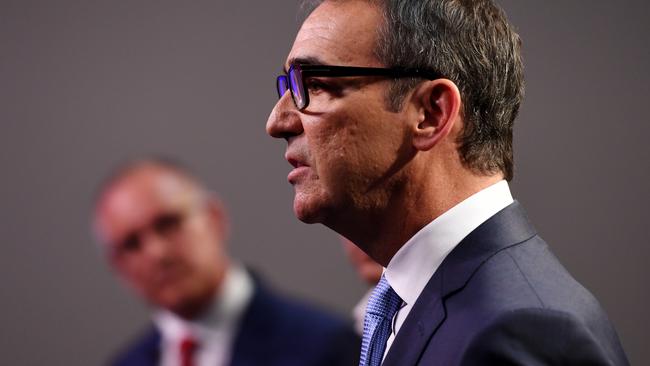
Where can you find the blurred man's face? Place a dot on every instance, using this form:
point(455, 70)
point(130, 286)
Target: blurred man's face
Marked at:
point(344, 146)
point(164, 238)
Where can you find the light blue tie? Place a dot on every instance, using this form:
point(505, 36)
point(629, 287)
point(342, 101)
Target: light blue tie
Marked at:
point(382, 306)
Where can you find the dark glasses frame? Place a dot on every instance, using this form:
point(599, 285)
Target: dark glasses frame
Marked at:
point(294, 79)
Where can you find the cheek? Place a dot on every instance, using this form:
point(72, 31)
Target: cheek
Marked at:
point(331, 143)
point(133, 272)
point(136, 278)
point(354, 147)
point(205, 246)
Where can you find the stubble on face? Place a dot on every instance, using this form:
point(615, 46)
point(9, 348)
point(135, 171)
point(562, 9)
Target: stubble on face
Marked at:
point(351, 142)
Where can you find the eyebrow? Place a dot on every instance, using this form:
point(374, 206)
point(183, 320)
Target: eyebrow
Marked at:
point(308, 60)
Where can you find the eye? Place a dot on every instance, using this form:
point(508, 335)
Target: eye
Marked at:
point(332, 87)
point(315, 86)
point(167, 223)
point(130, 244)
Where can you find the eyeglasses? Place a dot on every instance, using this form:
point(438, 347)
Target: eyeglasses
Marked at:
point(294, 79)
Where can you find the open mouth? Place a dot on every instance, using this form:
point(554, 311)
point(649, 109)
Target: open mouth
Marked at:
point(296, 163)
point(300, 168)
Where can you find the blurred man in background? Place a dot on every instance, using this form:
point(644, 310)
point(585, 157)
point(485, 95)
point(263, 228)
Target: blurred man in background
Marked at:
point(165, 235)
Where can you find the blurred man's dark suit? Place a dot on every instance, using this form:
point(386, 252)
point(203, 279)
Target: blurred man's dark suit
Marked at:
point(275, 331)
point(502, 298)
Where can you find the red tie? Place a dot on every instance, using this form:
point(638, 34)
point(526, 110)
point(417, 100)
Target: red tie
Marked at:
point(188, 347)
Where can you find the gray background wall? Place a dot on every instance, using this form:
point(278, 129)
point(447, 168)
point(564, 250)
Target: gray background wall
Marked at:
point(85, 84)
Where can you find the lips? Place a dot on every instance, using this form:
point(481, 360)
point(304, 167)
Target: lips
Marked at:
point(296, 163)
point(167, 278)
point(300, 167)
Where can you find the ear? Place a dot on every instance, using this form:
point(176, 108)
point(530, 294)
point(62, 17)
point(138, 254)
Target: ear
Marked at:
point(218, 215)
point(438, 104)
point(102, 242)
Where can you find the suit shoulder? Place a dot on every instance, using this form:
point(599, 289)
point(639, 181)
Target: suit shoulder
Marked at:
point(541, 336)
point(540, 274)
point(325, 336)
point(292, 332)
point(142, 350)
point(533, 303)
point(303, 317)
point(525, 289)
point(528, 274)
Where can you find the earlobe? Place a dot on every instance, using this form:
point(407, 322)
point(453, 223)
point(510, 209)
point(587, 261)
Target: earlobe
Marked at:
point(218, 215)
point(438, 109)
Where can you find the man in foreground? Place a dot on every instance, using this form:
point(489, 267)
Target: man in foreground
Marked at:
point(398, 118)
point(165, 234)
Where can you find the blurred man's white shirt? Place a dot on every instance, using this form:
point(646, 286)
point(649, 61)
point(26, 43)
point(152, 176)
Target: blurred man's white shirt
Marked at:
point(214, 331)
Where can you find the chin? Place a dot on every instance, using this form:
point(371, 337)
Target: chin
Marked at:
point(187, 307)
point(306, 210)
point(169, 300)
point(304, 215)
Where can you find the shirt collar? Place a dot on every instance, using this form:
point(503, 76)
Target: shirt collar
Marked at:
point(416, 261)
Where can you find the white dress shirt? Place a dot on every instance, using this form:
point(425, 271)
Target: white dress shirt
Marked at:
point(416, 261)
point(215, 330)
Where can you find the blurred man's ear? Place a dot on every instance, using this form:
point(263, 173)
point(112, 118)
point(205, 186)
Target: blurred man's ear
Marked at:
point(100, 241)
point(217, 213)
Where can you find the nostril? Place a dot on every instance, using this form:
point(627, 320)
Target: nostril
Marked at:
point(283, 124)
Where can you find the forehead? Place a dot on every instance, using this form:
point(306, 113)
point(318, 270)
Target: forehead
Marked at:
point(135, 199)
point(339, 33)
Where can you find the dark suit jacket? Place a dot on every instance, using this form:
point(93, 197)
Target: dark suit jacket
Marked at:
point(275, 331)
point(502, 298)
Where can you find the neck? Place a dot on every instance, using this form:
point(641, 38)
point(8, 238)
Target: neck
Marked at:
point(383, 231)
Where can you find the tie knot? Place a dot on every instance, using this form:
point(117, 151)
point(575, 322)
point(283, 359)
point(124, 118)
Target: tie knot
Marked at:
point(382, 306)
point(384, 301)
point(188, 346)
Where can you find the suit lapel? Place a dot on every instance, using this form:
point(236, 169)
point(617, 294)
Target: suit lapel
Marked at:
point(254, 342)
point(152, 347)
point(417, 329)
point(146, 352)
point(506, 228)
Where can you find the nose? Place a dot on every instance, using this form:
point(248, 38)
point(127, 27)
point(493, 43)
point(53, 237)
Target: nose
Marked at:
point(284, 120)
point(155, 247)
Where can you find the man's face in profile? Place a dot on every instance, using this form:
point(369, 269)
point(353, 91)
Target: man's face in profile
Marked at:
point(343, 145)
point(163, 237)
